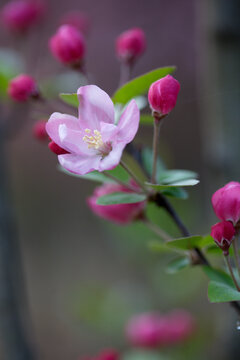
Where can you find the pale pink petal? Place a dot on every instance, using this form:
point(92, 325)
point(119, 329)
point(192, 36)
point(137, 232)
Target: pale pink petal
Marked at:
point(113, 158)
point(56, 119)
point(128, 123)
point(108, 131)
point(72, 140)
point(78, 164)
point(94, 106)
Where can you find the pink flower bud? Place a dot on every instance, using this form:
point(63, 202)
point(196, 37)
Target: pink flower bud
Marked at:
point(226, 202)
point(20, 15)
point(39, 130)
point(56, 149)
point(22, 88)
point(162, 95)
point(68, 45)
point(130, 45)
point(154, 330)
point(223, 234)
point(77, 19)
point(120, 213)
point(108, 354)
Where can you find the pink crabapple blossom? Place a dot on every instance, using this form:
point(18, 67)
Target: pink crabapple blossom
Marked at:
point(223, 234)
point(226, 202)
point(68, 45)
point(162, 95)
point(93, 140)
point(119, 213)
point(130, 45)
point(20, 15)
point(154, 330)
point(22, 88)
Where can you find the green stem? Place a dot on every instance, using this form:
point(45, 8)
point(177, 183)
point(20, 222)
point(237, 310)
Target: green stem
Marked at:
point(129, 171)
point(156, 229)
point(157, 125)
point(120, 182)
point(236, 255)
point(231, 271)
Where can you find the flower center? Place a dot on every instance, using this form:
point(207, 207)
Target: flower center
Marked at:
point(93, 139)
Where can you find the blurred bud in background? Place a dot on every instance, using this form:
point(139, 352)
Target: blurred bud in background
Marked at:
point(78, 19)
point(22, 88)
point(39, 130)
point(130, 45)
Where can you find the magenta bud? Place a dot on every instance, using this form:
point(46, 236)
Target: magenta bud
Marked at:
point(56, 149)
point(68, 45)
point(162, 95)
point(20, 15)
point(108, 354)
point(226, 202)
point(39, 130)
point(223, 234)
point(78, 19)
point(119, 213)
point(22, 88)
point(130, 45)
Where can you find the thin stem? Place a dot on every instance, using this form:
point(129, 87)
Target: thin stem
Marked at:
point(156, 229)
point(236, 255)
point(129, 171)
point(157, 125)
point(125, 73)
point(226, 257)
point(120, 182)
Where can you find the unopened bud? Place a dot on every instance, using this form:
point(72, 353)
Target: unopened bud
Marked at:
point(22, 88)
point(56, 149)
point(223, 234)
point(130, 45)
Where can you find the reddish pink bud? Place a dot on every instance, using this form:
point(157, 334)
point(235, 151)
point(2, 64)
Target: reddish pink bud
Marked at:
point(39, 130)
point(56, 149)
point(20, 15)
point(77, 19)
point(130, 45)
point(108, 354)
point(68, 45)
point(226, 202)
point(154, 330)
point(162, 95)
point(223, 234)
point(120, 213)
point(22, 88)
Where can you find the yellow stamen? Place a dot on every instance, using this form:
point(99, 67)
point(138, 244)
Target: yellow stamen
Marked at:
point(93, 141)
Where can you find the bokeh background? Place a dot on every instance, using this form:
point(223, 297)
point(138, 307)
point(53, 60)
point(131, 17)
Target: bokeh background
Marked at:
point(83, 276)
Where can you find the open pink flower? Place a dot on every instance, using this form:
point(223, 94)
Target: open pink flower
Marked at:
point(92, 140)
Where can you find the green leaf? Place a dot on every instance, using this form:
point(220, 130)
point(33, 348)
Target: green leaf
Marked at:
point(121, 198)
point(146, 119)
point(70, 99)
point(169, 177)
point(143, 355)
point(159, 247)
point(160, 187)
point(175, 192)
point(220, 292)
point(140, 85)
point(11, 64)
point(186, 243)
point(218, 275)
point(147, 159)
point(178, 264)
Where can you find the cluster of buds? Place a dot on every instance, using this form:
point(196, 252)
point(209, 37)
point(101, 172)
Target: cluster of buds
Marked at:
point(226, 204)
point(154, 330)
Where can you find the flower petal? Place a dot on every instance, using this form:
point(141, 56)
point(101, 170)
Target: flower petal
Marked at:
point(57, 119)
point(108, 131)
point(113, 158)
point(72, 140)
point(78, 164)
point(128, 123)
point(94, 106)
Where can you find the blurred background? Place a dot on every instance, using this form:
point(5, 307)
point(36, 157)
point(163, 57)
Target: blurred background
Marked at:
point(83, 276)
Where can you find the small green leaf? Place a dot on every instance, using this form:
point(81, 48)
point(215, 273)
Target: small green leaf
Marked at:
point(160, 187)
point(218, 275)
point(146, 119)
point(175, 192)
point(94, 176)
point(140, 85)
point(186, 243)
point(169, 177)
point(120, 198)
point(147, 159)
point(178, 264)
point(159, 247)
point(70, 99)
point(220, 292)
